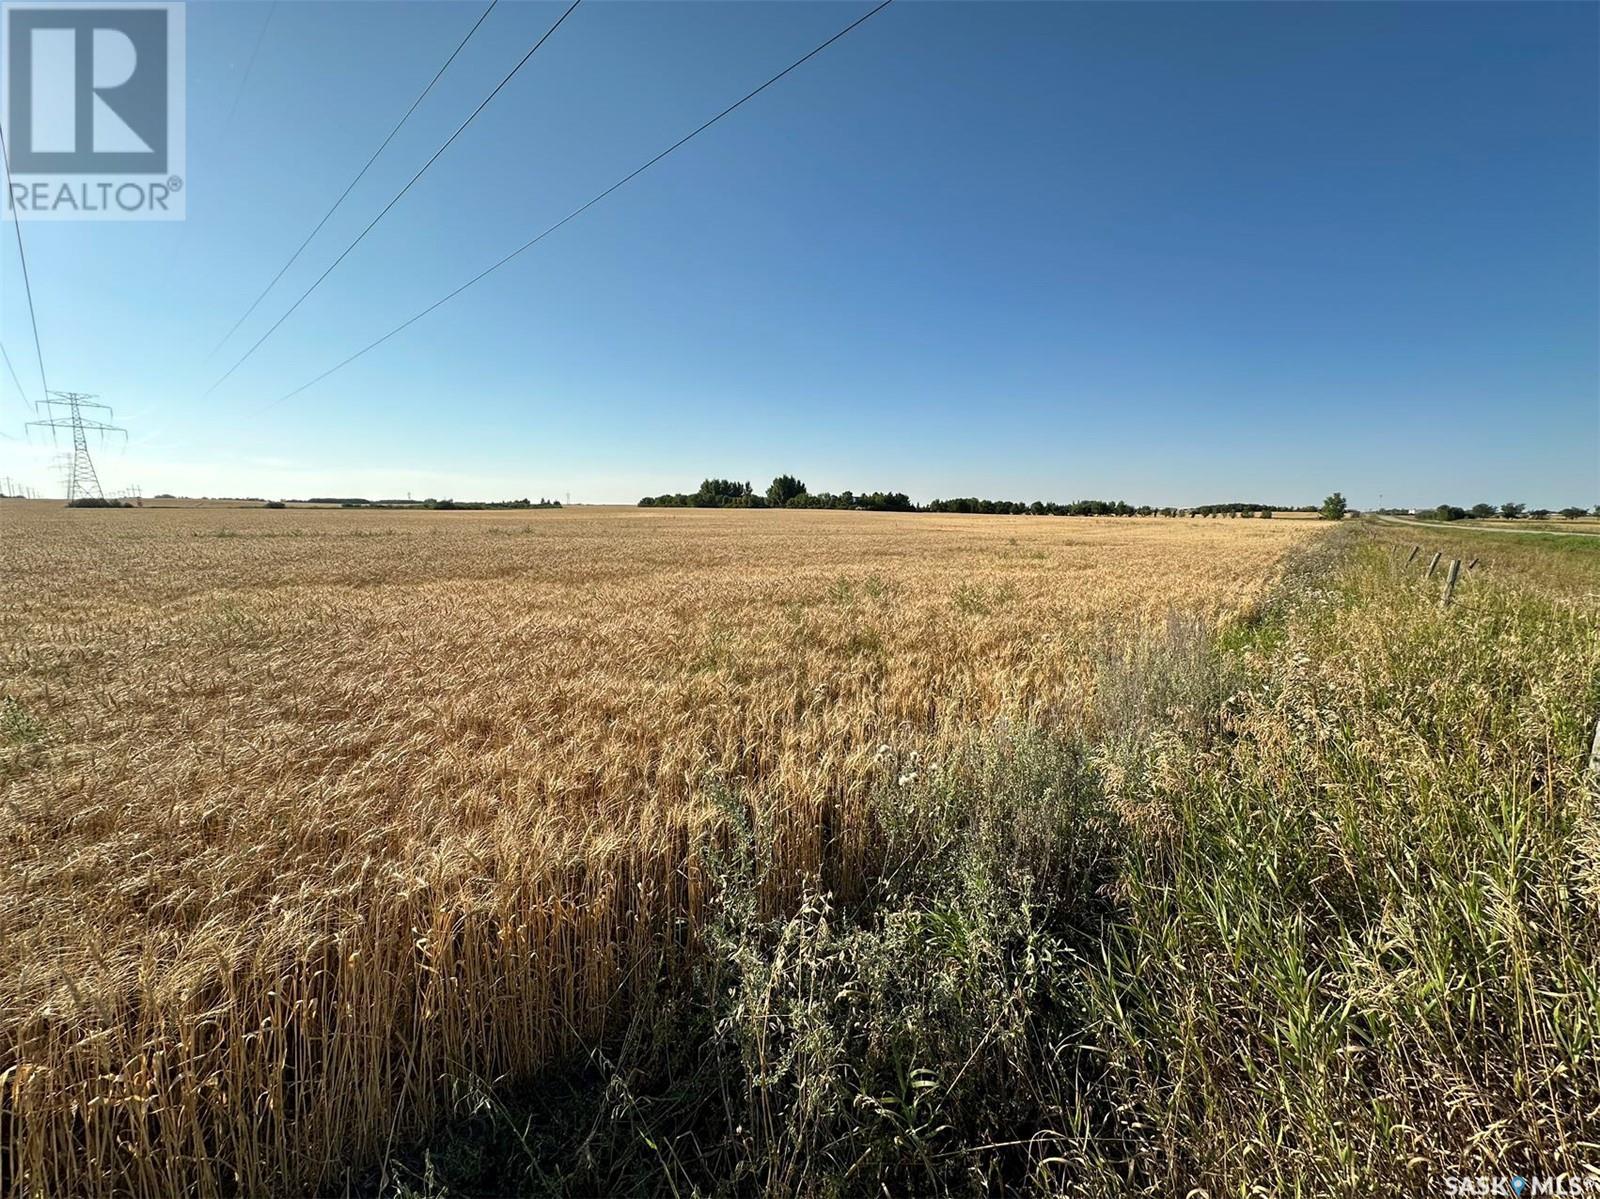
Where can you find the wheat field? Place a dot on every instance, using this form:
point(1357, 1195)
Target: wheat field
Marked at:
point(307, 811)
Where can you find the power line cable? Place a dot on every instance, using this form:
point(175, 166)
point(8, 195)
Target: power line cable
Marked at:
point(273, 282)
point(249, 66)
point(14, 378)
point(535, 240)
point(27, 285)
point(509, 76)
point(227, 124)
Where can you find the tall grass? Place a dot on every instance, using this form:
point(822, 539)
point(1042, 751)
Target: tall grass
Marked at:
point(1361, 945)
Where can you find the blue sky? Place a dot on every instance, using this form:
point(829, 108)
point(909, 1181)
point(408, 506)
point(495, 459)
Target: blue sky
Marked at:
point(1170, 253)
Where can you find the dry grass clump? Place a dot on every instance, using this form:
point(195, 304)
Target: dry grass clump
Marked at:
point(307, 811)
point(1363, 958)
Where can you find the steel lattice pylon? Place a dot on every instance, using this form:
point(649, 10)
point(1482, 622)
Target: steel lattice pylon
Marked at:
point(66, 412)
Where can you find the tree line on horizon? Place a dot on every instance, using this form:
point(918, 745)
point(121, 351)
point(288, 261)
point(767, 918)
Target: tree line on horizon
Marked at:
point(787, 491)
point(432, 504)
point(1508, 511)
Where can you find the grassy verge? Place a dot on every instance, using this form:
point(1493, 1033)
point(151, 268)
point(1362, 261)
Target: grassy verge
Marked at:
point(1310, 908)
point(1545, 562)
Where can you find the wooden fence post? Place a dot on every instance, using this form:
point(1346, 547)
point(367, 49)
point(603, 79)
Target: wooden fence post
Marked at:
point(1450, 582)
point(1471, 564)
point(1412, 556)
point(1594, 757)
point(1433, 563)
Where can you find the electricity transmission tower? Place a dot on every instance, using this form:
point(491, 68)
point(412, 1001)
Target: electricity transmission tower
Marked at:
point(66, 412)
point(61, 467)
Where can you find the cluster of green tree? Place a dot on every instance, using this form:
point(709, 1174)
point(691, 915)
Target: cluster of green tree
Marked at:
point(785, 491)
point(1248, 509)
point(89, 501)
point(1504, 512)
point(713, 493)
point(1047, 508)
point(867, 501)
point(436, 505)
point(475, 505)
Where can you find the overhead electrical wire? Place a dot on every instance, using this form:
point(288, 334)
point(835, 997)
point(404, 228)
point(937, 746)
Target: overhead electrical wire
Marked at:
point(293, 258)
point(249, 66)
point(27, 285)
point(221, 143)
point(537, 238)
point(396, 199)
point(16, 380)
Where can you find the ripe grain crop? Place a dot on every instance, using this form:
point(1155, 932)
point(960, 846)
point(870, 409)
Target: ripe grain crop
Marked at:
point(307, 811)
